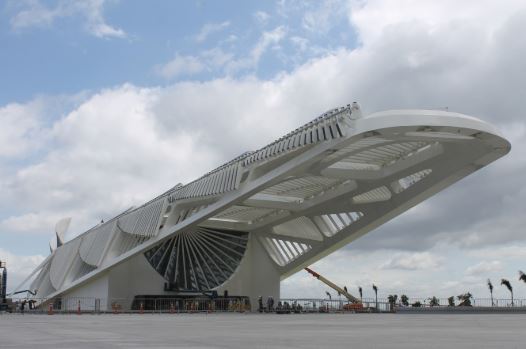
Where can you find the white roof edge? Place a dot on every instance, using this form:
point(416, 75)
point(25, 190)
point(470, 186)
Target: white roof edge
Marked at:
point(407, 117)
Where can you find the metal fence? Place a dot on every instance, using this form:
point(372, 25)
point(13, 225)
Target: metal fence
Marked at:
point(309, 305)
point(189, 305)
point(73, 305)
point(475, 302)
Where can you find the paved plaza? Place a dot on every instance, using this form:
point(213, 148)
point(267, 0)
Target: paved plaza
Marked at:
point(263, 331)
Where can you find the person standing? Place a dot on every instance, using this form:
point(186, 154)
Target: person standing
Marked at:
point(260, 304)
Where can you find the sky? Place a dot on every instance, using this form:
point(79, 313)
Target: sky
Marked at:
point(106, 104)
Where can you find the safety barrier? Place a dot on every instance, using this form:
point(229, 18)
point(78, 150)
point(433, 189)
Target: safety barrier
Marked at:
point(176, 305)
point(87, 305)
point(310, 305)
point(414, 302)
point(190, 305)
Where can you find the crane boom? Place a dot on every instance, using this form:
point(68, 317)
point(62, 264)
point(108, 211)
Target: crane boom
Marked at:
point(332, 285)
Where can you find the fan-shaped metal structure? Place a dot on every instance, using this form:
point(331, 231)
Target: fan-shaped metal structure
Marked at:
point(198, 260)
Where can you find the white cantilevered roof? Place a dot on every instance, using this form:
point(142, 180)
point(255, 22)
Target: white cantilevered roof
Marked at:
point(303, 196)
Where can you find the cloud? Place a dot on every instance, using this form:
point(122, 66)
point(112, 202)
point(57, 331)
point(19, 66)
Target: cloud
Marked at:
point(96, 25)
point(380, 76)
point(35, 14)
point(212, 60)
point(484, 267)
point(300, 42)
point(180, 66)
point(209, 29)
point(261, 17)
point(412, 261)
point(123, 145)
point(216, 60)
point(20, 128)
point(266, 40)
point(324, 16)
point(374, 19)
point(18, 267)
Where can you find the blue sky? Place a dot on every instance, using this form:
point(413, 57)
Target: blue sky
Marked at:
point(105, 104)
point(63, 55)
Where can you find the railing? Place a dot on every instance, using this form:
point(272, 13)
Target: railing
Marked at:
point(190, 305)
point(475, 302)
point(309, 305)
point(73, 305)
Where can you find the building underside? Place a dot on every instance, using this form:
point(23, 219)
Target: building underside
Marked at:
point(267, 214)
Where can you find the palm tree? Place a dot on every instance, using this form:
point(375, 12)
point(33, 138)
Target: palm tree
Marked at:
point(451, 301)
point(361, 292)
point(434, 302)
point(508, 286)
point(375, 289)
point(522, 276)
point(465, 299)
point(328, 295)
point(392, 298)
point(405, 300)
point(490, 286)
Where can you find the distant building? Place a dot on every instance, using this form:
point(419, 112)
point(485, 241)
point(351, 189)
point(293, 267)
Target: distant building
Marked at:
point(258, 219)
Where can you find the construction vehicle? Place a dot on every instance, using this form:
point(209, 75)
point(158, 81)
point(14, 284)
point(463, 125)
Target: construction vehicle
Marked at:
point(355, 303)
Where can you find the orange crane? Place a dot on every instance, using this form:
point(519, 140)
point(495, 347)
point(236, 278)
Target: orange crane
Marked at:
point(356, 303)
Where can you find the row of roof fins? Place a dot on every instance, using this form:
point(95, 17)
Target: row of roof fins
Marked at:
point(328, 115)
point(323, 117)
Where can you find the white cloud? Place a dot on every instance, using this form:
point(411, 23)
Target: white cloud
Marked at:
point(375, 18)
point(484, 267)
point(20, 129)
point(262, 17)
point(95, 22)
point(516, 252)
point(185, 66)
point(267, 39)
point(123, 145)
point(324, 15)
point(209, 29)
point(216, 59)
point(19, 267)
point(412, 261)
point(180, 66)
point(31, 222)
point(34, 14)
point(300, 43)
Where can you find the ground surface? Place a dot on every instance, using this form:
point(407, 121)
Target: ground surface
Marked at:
point(264, 331)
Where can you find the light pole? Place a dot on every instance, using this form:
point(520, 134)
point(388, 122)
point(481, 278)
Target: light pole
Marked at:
point(3, 282)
